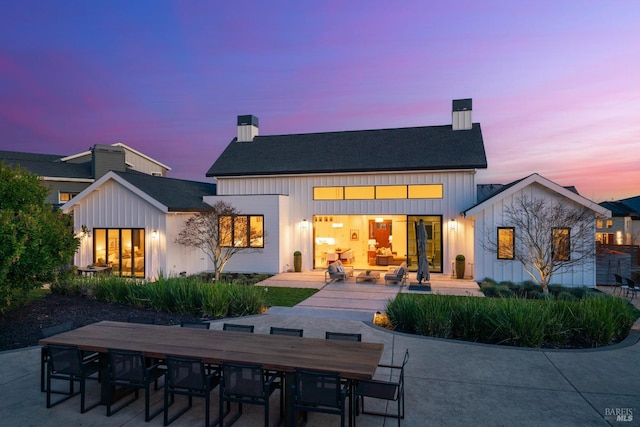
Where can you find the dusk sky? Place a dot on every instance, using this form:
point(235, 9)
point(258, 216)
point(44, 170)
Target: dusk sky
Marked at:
point(555, 84)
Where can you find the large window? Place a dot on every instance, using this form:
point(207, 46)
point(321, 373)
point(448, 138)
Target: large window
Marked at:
point(122, 249)
point(561, 244)
point(379, 192)
point(65, 196)
point(241, 231)
point(506, 242)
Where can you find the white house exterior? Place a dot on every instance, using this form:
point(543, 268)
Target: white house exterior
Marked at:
point(488, 215)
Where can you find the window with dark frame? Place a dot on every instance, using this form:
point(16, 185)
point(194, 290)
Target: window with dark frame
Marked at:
point(241, 231)
point(506, 242)
point(561, 243)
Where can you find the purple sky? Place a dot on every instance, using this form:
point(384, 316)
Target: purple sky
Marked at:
point(555, 84)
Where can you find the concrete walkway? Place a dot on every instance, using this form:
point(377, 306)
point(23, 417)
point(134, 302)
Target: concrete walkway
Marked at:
point(448, 383)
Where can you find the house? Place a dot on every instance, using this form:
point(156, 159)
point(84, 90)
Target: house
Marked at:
point(354, 195)
point(623, 228)
point(488, 216)
point(132, 220)
point(66, 176)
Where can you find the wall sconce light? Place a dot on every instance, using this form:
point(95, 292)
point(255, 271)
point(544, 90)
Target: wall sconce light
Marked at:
point(154, 234)
point(452, 224)
point(305, 223)
point(84, 233)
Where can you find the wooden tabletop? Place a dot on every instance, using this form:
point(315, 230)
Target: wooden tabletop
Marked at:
point(353, 360)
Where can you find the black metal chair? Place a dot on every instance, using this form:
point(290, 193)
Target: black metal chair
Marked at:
point(188, 377)
point(390, 390)
point(237, 328)
point(246, 383)
point(318, 391)
point(201, 325)
point(128, 371)
point(631, 288)
point(343, 336)
point(286, 331)
point(44, 357)
point(619, 284)
point(68, 364)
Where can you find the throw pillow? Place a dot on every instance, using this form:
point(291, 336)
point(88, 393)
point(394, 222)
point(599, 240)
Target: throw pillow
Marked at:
point(332, 268)
point(396, 271)
point(340, 269)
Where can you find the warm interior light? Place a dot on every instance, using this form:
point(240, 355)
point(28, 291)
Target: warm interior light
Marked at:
point(379, 219)
point(337, 225)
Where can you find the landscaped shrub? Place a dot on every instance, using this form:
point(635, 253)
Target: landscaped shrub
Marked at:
point(548, 323)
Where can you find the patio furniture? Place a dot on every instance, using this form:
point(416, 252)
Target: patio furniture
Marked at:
point(128, 371)
point(398, 275)
point(337, 271)
point(390, 390)
point(68, 364)
point(286, 331)
point(201, 325)
point(353, 360)
point(44, 356)
point(246, 383)
point(618, 285)
point(189, 377)
point(631, 288)
point(367, 276)
point(342, 336)
point(318, 391)
point(237, 328)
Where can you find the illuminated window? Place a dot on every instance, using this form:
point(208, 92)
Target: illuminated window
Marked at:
point(391, 192)
point(359, 193)
point(561, 244)
point(328, 193)
point(65, 196)
point(241, 231)
point(122, 249)
point(599, 223)
point(427, 191)
point(609, 223)
point(506, 242)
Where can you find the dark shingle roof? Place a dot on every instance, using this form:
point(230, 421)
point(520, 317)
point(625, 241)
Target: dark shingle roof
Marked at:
point(403, 149)
point(626, 207)
point(178, 195)
point(47, 165)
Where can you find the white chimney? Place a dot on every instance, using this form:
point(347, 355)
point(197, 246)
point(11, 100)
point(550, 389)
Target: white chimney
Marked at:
point(461, 114)
point(247, 128)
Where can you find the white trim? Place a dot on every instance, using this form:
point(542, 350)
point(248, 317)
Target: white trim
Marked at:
point(117, 144)
point(535, 178)
point(62, 178)
point(371, 172)
point(113, 176)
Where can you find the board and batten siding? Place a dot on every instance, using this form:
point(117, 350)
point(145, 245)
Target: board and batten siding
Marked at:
point(459, 192)
point(486, 263)
point(114, 206)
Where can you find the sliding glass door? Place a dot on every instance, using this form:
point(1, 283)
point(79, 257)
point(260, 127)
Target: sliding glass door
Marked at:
point(122, 249)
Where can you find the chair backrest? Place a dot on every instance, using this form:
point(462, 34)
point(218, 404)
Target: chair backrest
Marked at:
point(65, 359)
point(186, 373)
point(286, 331)
point(317, 388)
point(631, 283)
point(56, 329)
point(343, 336)
point(618, 279)
point(241, 379)
point(237, 328)
point(127, 365)
point(201, 325)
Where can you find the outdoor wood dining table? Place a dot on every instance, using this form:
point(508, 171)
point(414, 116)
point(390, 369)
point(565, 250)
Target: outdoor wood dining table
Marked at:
point(353, 360)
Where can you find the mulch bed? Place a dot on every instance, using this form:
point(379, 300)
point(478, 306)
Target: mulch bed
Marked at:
point(21, 327)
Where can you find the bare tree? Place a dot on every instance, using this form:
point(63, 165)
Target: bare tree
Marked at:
point(221, 232)
point(549, 237)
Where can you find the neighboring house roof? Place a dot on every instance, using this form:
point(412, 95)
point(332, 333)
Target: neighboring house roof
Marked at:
point(47, 165)
point(167, 194)
point(484, 191)
point(403, 149)
point(117, 144)
point(626, 207)
point(518, 185)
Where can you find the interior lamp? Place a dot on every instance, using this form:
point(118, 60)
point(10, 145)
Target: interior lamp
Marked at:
point(379, 219)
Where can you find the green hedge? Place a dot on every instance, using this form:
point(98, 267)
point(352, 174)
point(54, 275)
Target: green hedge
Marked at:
point(547, 323)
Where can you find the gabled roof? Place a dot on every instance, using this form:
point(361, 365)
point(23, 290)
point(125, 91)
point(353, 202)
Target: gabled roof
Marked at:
point(47, 165)
point(117, 144)
point(625, 207)
point(515, 186)
point(402, 149)
point(167, 194)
